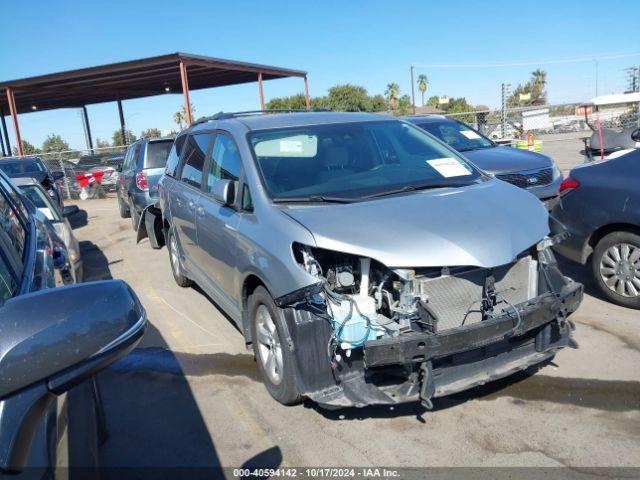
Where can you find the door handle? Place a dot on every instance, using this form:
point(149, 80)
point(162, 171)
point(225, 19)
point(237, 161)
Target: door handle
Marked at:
point(200, 211)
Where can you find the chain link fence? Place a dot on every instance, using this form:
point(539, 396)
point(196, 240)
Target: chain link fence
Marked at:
point(560, 131)
point(88, 174)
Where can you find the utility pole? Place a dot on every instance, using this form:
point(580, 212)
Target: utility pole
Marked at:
point(503, 110)
point(413, 92)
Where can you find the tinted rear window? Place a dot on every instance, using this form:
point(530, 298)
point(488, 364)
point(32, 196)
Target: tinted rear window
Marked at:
point(157, 154)
point(20, 167)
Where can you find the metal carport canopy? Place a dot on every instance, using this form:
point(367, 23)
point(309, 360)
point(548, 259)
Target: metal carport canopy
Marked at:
point(175, 72)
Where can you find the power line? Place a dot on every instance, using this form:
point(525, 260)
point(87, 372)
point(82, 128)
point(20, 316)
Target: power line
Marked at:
point(528, 63)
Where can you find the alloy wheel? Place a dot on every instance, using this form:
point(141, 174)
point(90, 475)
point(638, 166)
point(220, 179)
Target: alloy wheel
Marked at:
point(173, 252)
point(620, 269)
point(269, 347)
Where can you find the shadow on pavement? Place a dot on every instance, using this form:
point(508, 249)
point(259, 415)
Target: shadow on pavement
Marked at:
point(154, 425)
point(79, 219)
point(95, 263)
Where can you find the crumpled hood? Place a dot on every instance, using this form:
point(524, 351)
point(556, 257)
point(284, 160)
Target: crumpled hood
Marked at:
point(503, 159)
point(482, 225)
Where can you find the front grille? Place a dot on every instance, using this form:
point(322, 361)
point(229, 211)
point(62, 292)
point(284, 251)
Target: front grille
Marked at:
point(451, 296)
point(528, 179)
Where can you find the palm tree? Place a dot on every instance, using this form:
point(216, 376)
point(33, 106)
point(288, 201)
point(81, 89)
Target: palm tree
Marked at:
point(180, 117)
point(538, 82)
point(392, 93)
point(423, 81)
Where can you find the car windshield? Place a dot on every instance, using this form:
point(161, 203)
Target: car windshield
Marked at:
point(157, 153)
point(355, 160)
point(39, 198)
point(20, 167)
point(457, 135)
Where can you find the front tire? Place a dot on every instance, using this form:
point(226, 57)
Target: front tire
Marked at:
point(616, 268)
point(275, 361)
point(174, 258)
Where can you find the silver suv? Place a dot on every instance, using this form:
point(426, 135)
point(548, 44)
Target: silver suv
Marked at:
point(365, 261)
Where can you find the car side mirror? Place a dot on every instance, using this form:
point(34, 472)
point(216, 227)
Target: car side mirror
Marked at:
point(224, 191)
point(52, 340)
point(57, 175)
point(635, 135)
point(69, 210)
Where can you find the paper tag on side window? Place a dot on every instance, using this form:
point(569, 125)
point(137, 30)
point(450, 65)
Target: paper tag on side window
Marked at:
point(470, 134)
point(448, 167)
point(290, 146)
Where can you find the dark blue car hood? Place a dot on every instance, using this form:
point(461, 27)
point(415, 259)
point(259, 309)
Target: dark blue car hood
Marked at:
point(502, 159)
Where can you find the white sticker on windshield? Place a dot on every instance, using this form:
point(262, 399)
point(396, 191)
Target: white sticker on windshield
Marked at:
point(470, 134)
point(290, 146)
point(449, 167)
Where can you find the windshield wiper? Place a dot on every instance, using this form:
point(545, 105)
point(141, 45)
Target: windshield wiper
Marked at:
point(413, 188)
point(313, 199)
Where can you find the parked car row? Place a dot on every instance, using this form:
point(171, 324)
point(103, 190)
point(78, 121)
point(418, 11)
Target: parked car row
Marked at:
point(53, 340)
point(364, 260)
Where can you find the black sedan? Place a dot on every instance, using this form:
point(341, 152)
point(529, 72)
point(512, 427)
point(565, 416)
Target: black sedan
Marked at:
point(34, 167)
point(600, 208)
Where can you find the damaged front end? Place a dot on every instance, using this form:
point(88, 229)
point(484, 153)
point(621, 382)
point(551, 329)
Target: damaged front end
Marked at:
point(367, 334)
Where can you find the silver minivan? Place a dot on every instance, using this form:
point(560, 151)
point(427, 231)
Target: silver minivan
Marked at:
point(365, 261)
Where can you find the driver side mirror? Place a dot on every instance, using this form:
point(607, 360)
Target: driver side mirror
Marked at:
point(635, 135)
point(224, 191)
point(57, 175)
point(52, 340)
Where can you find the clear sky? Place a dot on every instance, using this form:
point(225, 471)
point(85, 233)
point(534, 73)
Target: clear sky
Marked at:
point(368, 43)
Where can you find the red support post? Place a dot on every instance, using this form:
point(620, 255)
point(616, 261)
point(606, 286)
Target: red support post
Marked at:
point(14, 117)
point(185, 93)
point(306, 93)
point(261, 91)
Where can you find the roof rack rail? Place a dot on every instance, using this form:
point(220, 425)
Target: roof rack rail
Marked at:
point(227, 115)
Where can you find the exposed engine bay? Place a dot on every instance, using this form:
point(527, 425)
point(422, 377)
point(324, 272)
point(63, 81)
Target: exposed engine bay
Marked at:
point(384, 322)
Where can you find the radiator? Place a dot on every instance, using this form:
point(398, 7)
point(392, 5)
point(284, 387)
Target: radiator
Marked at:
point(451, 296)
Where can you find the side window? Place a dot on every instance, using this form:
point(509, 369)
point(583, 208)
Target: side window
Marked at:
point(225, 161)
point(8, 284)
point(193, 159)
point(12, 229)
point(126, 164)
point(135, 156)
point(174, 156)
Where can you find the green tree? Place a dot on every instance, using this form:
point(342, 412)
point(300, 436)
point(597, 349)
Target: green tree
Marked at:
point(54, 143)
point(27, 148)
point(378, 103)
point(118, 141)
point(535, 88)
point(423, 82)
point(349, 98)
point(180, 117)
point(102, 143)
point(404, 102)
point(294, 102)
point(392, 93)
point(150, 133)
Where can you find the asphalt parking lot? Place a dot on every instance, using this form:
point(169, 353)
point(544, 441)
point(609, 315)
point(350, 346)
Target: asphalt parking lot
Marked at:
point(190, 394)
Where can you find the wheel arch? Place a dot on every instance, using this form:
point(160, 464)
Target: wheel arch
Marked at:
point(250, 282)
point(605, 230)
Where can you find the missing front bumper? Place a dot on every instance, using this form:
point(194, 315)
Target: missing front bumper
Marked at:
point(389, 370)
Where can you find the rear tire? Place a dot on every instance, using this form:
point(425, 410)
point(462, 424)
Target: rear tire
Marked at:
point(615, 266)
point(135, 216)
point(123, 208)
point(275, 361)
point(174, 259)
